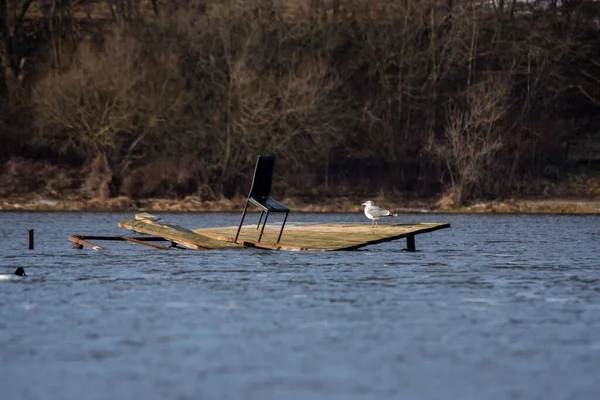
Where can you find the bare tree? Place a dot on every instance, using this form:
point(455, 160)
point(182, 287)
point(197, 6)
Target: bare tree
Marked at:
point(473, 139)
point(109, 103)
point(11, 20)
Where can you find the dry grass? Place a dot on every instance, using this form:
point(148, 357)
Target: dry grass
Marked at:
point(195, 204)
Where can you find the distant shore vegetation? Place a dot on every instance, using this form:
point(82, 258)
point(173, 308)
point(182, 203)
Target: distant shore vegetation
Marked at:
point(465, 100)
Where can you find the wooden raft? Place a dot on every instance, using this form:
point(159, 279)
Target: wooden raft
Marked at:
point(319, 237)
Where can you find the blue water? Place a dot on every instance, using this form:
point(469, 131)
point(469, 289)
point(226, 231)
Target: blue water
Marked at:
point(497, 307)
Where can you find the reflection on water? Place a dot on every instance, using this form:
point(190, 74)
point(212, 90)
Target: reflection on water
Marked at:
point(495, 307)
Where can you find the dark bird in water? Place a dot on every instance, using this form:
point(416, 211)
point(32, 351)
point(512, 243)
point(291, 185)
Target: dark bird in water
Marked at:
point(20, 272)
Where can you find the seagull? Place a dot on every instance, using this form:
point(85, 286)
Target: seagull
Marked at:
point(374, 213)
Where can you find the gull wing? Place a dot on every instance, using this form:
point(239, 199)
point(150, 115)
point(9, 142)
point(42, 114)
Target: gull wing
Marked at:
point(378, 211)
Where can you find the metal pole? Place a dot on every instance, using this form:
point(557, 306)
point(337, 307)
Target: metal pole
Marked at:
point(410, 243)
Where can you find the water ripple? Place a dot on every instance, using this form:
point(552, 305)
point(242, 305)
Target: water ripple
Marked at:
point(496, 307)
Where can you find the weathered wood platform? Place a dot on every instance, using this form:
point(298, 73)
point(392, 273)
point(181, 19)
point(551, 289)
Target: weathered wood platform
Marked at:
point(319, 237)
point(323, 237)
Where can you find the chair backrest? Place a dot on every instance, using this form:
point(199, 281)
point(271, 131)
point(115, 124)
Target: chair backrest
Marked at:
point(263, 176)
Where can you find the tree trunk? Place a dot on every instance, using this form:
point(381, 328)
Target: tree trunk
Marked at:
point(4, 55)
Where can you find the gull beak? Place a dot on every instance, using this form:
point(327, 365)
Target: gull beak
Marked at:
point(363, 204)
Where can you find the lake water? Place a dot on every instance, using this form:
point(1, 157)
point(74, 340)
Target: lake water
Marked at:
point(497, 307)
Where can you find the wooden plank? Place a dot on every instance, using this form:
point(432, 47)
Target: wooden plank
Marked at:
point(275, 246)
point(79, 242)
point(324, 237)
point(84, 240)
point(144, 243)
point(123, 238)
point(174, 233)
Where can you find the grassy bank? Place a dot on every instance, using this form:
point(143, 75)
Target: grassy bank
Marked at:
point(399, 205)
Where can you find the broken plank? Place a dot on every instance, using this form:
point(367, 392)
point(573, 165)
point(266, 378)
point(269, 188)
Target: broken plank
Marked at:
point(122, 238)
point(143, 243)
point(79, 242)
point(174, 233)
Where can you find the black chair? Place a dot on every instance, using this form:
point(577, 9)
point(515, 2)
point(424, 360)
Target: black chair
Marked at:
point(259, 195)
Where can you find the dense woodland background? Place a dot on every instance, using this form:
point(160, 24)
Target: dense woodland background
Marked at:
point(469, 99)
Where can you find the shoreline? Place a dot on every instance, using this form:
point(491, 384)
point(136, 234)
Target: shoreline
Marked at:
point(330, 205)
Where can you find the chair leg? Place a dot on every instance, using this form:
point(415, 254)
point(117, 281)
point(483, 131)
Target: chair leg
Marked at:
point(263, 227)
point(282, 226)
point(241, 222)
point(260, 219)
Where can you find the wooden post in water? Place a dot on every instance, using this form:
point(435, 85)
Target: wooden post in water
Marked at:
point(410, 243)
point(30, 237)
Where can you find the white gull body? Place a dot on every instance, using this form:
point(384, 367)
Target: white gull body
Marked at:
point(374, 213)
